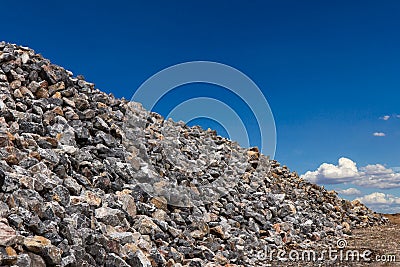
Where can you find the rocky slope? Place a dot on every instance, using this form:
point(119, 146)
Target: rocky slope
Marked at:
point(85, 181)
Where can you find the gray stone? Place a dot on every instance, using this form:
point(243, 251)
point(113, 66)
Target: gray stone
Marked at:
point(145, 225)
point(72, 185)
point(61, 195)
point(108, 215)
point(8, 235)
point(49, 155)
point(36, 260)
point(115, 260)
point(138, 259)
point(68, 261)
point(122, 237)
point(23, 260)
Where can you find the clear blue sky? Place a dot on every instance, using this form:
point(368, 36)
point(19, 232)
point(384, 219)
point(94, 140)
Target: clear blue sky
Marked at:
point(329, 69)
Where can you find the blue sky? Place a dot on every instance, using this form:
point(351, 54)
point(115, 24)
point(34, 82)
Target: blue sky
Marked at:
point(329, 70)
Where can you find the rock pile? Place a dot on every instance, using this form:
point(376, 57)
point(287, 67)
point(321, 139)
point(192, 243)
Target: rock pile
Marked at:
point(72, 176)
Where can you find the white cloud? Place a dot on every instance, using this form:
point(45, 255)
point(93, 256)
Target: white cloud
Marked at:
point(379, 134)
point(381, 202)
point(385, 118)
point(350, 192)
point(376, 176)
point(379, 198)
point(327, 173)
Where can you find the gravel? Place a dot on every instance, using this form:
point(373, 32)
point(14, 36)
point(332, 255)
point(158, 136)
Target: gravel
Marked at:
point(87, 179)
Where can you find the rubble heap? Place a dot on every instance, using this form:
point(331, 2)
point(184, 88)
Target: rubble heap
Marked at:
point(72, 175)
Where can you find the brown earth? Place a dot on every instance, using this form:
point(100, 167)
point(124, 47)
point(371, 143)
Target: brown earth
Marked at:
point(383, 241)
point(394, 218)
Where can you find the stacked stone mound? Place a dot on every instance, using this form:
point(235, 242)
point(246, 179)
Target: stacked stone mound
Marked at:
point(70, 194)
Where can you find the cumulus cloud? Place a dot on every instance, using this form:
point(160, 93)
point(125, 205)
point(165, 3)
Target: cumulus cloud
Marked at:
point(350, 192)
point(381, 202)
point(380, 134)
point(377, 175)
point(379, 198)
point(327, 173)
point(385, 118)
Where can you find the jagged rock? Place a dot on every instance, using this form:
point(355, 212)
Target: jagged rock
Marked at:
point(68, 261)
point(127, 203)
point(108, 215)
point(52, 255)
point(145, 225)
point(2, 178)
point(23, 260)
point(122, 237)
point(72, 185)
point(36, 260)
point(115, 260)
point(61, 195)
point(8, 256)
point(8, 235)
point(36, 243)
point(43, 246)
point(138, 259)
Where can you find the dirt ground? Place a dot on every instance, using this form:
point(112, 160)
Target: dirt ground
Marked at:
point(383, 241)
